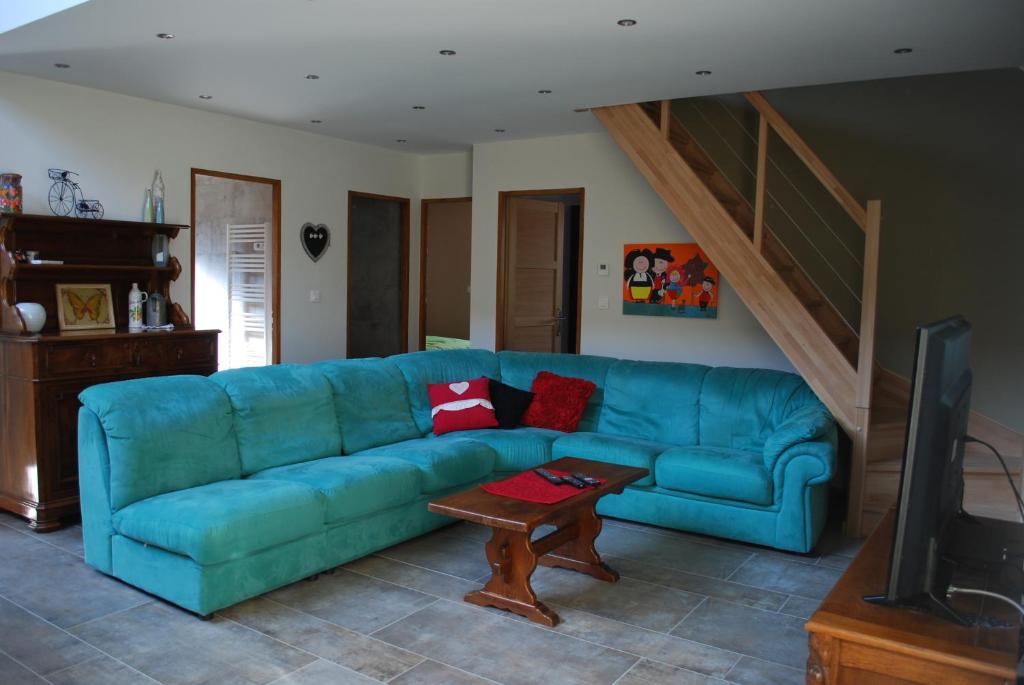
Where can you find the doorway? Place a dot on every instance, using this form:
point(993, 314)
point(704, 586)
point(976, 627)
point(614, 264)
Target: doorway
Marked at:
point(445, 240)
point(540, 238)
point(378, 275)
point(236, 265)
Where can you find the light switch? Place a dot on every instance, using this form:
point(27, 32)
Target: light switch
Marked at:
point(602, 303)
point(602, 269)
point(314, 295)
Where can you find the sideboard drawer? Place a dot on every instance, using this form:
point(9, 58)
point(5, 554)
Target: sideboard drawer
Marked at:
point(86, 358)
point(188, 352)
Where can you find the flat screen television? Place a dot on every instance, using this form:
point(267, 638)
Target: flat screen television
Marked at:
point(930, 502)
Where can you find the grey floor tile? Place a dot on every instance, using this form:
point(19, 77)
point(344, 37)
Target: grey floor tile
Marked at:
point(791, 578)
point(68, 539)
point(440, 551)
point(100, 671)
point(697, 584)
point(32, 569)
point(631, 601)
point(668, 649)
point(836, 561)
point(413, 577)
point(833, 541)
point(348, 648)
point(677, 553)
point(39, 645)
point(13, 673)
point(474, 531)
point(352, 601)
point(751, 671)
point(801, 607)
point(432, 673)
point(654, 673)
point(766, 635)
point(464, 636)
point(325, 673)
point(174, 647)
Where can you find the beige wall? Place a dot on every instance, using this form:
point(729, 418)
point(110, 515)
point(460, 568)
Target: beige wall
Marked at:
point(115, 142)
point(620, 207)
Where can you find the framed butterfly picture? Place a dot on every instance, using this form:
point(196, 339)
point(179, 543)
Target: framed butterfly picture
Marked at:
point(84, 306)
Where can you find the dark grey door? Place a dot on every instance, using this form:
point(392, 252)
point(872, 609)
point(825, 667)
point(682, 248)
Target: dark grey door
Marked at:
point(377, 276)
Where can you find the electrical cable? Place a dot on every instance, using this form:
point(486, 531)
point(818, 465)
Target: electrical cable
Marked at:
point(985, 593)
point(1006, 470)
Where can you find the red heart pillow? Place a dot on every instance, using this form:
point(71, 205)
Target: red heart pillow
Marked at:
point(460, 406)
point(558, 402)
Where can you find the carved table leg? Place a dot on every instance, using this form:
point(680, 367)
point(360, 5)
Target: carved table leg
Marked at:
point(579, 553)
point(512, 560)
point(819, 660)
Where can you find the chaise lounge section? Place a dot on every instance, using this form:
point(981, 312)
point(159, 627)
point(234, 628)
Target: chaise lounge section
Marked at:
point(208, 491)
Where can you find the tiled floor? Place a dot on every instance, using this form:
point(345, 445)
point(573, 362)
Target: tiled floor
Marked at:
point(688, 610)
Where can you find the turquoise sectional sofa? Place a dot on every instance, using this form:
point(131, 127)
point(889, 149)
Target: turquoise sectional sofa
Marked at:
point(207, 491)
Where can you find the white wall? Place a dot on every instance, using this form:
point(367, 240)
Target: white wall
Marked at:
point(447, 175)
point(115, 142)
point(620, 207)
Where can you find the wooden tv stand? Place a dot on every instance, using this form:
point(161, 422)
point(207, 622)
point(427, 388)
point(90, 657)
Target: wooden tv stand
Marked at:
point(852, 641)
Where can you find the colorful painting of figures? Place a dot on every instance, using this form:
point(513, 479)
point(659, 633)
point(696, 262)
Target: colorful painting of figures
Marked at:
point(669, 279)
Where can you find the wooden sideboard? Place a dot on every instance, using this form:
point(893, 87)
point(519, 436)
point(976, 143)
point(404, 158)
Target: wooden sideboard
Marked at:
point(41, 375)
point(852, 641)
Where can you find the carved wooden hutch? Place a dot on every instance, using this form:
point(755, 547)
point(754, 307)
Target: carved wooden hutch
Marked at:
point(41, 375)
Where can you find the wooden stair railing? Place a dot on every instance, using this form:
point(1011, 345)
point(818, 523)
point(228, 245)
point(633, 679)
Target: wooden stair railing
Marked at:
point(837, 362)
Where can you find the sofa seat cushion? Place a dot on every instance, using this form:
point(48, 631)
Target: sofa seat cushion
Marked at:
point(519, 449)
point(223, 521)
point(719, 472)
point(442, 462)
point(352, 487)
point(613, 449)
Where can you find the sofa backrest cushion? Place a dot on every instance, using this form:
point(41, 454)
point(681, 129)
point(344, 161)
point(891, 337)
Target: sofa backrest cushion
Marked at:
point(740, 408)
point(420, 369)
point(164, 434)
point(371, 402)
point(518, 369)
point(657, 401)
point(283, 414)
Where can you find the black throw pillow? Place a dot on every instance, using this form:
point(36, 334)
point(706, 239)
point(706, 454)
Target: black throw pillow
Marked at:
point(509, 403)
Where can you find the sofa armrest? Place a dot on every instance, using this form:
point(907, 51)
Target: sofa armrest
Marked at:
point(807, 424)
point(94, 489)
point(806, 463)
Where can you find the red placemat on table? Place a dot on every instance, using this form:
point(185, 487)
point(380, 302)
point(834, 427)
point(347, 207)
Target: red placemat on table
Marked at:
point(531, 487)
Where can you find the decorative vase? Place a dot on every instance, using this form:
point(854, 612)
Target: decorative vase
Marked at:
point(147, 207)
point(157, 190)
point(10, 193)
point(33, 314)
point(161, 250)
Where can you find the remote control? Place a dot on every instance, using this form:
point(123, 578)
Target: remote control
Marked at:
point(589, 480)
point(549, 477)
point(575, 482)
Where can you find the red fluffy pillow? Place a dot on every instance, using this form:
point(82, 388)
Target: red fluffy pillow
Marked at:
point(558, 402)
point(461, 406)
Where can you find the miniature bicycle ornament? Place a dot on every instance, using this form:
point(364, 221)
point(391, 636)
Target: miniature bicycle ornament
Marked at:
point(66, 197)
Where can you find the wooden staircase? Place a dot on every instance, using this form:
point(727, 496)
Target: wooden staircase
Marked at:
point(835, 360)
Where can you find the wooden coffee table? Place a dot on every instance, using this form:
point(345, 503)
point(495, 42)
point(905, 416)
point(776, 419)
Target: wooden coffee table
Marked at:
point(511, 553)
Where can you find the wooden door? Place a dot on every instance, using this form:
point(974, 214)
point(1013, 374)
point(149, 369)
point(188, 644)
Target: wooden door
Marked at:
point(534, 319)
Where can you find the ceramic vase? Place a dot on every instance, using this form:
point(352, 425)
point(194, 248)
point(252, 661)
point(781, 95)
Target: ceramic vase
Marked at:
point(33, 314)
point(147, 207)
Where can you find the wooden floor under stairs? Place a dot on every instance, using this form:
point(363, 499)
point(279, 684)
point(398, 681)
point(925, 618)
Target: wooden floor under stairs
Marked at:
point(738, 207)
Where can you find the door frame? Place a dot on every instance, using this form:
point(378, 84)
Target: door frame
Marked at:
point(500, 271)
point(275, 260)
point(404, 203)
point(424, 211)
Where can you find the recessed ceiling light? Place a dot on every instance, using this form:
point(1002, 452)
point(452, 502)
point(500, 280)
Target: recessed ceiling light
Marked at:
point(401, 140)
point(499, 130)
point(544, 91)
point(447, 53)
point(903, 51)
point(582, 109)
point(61, 65)
point(418, 107)
point(312, 77)
point(316, 121)
point(702, 72)
point(165, 36)
point(205, 97)
point(626, 22)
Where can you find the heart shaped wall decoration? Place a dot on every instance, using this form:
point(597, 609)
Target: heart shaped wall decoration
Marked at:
point(315, 239)
point(459, 388)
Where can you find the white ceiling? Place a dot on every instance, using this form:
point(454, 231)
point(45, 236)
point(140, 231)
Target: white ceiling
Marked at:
point(378, 58)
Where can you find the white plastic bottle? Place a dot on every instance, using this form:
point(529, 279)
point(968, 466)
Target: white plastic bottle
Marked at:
point(135, 299)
